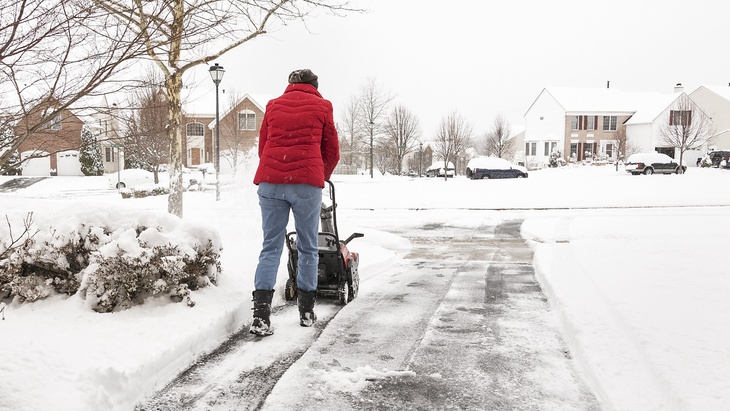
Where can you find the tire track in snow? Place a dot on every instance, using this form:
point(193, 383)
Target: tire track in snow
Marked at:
point(243, 370)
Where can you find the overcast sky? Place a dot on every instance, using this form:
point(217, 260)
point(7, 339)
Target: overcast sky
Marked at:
point(480, 58)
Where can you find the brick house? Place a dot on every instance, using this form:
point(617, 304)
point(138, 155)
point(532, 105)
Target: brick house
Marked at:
point(53, 149)
point(39, 152)
point(239, 131)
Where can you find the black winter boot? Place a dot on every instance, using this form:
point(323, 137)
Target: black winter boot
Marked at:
point(261, 324)
point(306, 307)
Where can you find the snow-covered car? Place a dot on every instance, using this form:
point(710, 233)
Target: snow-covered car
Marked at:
point(493, 167)
point(651, 163)
point(437, 170)
point(130, 178)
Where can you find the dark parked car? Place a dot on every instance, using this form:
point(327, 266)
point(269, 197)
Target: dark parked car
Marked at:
point(493, 167)
point(651, 163)
point(437, 170)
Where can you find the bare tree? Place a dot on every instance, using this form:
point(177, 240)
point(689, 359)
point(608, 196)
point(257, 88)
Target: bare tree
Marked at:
point(624, 148)
point(236, 139)
point(383, 158)
point(181, 34)
point(453, 137)
point(55, 55)
point(145, 137)
point(686, 128)
point(401, 131)
point(350, 133)
point(497, 141)
point(373, 104)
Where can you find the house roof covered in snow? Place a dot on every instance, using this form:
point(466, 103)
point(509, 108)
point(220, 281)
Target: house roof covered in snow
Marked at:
point(200, 102)
point(722, 91)
point(644, 107)
point(652, 108)
point(601, 100)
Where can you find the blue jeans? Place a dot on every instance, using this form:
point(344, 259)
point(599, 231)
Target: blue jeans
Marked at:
point(276, 200)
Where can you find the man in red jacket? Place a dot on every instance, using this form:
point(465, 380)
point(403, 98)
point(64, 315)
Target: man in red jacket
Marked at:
point(298, 150)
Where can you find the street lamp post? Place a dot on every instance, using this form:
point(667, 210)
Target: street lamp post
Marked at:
point(371, 148)
point(216, 73)
point(420, 158)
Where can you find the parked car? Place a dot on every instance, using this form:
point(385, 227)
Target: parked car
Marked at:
point(493, 167)
point(130, 178)
point(651, 163)
point(437, 170)
point(717, 159)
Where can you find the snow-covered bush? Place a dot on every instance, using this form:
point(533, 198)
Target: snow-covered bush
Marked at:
point(145, 191)
point(556, 159)
point(113, 262)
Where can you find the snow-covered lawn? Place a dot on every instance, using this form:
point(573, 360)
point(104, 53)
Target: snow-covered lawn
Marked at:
point(639, 286)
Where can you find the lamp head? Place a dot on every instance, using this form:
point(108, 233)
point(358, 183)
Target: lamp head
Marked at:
point(216, 73)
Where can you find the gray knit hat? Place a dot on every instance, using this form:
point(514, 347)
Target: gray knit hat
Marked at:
point(304, 76)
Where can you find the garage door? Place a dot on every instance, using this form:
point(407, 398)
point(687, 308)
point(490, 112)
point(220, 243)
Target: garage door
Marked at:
point(35, 163)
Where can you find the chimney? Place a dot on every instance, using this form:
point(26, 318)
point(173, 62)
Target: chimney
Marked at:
point(678, 88)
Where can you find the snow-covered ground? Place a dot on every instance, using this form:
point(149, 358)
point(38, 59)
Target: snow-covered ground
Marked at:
point(639, 286)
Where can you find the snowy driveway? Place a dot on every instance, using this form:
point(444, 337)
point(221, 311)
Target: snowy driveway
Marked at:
point(459, 323)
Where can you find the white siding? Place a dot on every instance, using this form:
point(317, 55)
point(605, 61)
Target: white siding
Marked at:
point(544, 121)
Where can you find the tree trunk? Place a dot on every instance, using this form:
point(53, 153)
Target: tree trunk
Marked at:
point(173, 83)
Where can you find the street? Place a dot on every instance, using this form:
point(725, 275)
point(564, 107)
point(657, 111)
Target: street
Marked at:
point(460, 324)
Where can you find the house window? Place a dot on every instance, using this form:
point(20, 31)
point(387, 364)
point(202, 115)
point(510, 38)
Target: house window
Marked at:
point(609, 123)
point(550, 146)
point(195, 129)
point(609, 150)
point(109, 155)
point(589, 150)
point(574, 150)
point(55, 122)
point(246, 120)
point(680, 117)
point(583, 122)
point(531, 148)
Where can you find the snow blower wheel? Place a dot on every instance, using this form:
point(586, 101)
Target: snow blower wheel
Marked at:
point(290, 290)
point(343, 293)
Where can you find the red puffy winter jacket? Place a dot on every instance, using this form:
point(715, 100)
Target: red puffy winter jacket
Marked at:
point(298, 141)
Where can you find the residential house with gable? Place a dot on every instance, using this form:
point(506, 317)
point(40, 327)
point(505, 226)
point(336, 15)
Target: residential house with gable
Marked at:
point(715, 102)
point(643, 129)
point(53, 149)
point(239, 131)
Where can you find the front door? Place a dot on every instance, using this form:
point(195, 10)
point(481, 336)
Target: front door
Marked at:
point(195, 156)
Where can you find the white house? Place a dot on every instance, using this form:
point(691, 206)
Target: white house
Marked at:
point(715, 102)
point(643, 129)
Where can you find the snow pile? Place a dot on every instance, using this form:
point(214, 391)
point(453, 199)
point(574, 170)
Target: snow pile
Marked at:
point(353, 381)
